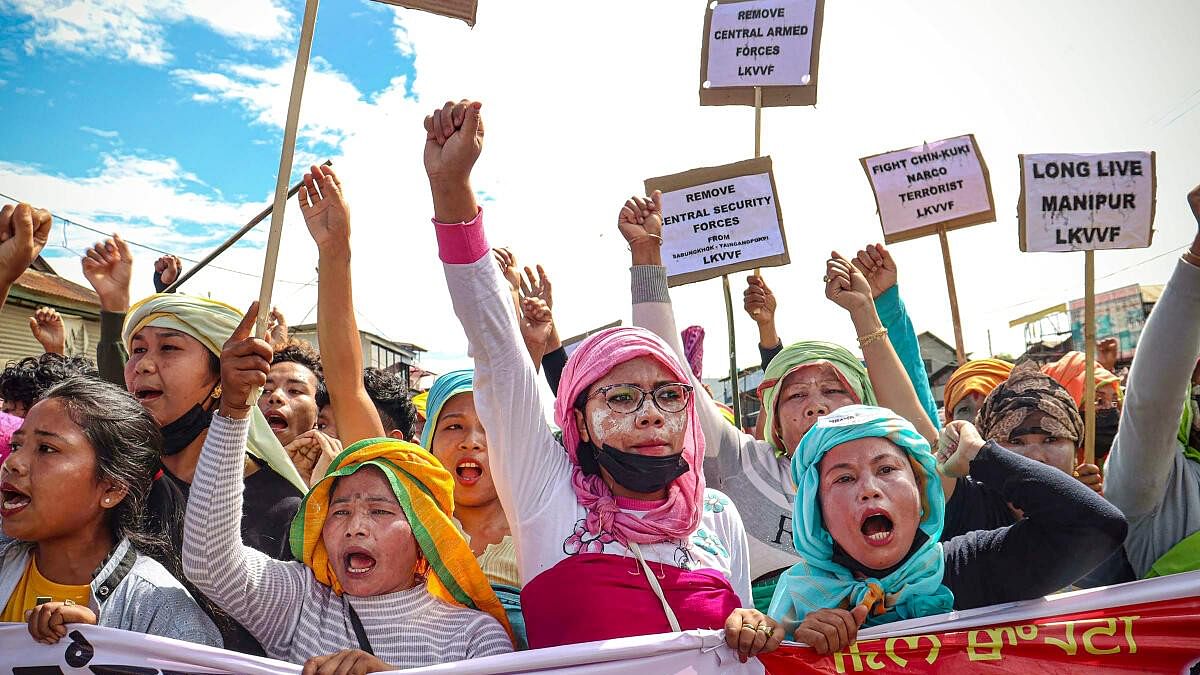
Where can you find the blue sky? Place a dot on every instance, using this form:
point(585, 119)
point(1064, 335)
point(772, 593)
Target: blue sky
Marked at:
point(61, 94)
point(64, 111)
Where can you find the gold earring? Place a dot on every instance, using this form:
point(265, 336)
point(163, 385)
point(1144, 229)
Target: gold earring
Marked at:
point(217, 392)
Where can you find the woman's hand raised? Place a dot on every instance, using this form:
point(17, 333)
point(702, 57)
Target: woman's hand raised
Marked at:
point(845, 285)
point(325, 210)
point(640, 222)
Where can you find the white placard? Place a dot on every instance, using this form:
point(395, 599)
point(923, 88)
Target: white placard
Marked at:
point(761, 43)
point(943, 183)
point(1080, 202)
point(733, 221)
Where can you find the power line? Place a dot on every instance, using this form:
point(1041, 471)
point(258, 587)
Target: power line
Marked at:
point(102, 233)
point(1102, 276)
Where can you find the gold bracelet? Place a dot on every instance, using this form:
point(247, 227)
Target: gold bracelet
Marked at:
point(1191, 258)
point(867, 339)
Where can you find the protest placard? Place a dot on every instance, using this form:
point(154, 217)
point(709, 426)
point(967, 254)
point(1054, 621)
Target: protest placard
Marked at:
point(455, 9)
point(769, 44)
point(943, 184)
point(720, 219)
point(1087, 202)
point(1081, 202)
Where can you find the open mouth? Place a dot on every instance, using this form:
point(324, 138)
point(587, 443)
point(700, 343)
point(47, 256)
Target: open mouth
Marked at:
point(877, 528)
point(147, 394)
point(277, 421)
point(12, 500)
point(359, 563)
point(468, 471)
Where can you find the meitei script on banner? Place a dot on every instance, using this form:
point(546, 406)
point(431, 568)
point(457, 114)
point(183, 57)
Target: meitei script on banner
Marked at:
point(761, 43)
point(936, 185)
point(719, 220)
point(1086, 202)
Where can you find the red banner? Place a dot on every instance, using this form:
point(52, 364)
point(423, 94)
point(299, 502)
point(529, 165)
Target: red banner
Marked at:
point(1153, 637)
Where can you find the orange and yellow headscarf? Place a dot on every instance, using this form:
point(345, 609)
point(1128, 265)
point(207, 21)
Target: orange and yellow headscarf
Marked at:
point(425, 491)
point(980, 376)
point(1070, 371)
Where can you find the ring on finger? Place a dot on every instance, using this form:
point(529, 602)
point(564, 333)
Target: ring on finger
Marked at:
point(765, 629)
point(825, 278)
point(747, 626)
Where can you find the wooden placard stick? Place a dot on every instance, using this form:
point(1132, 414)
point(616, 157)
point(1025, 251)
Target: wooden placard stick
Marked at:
point(736, 403)
point(757, 153)
point(1089, 339)
point(285, 169)
point(959, 350)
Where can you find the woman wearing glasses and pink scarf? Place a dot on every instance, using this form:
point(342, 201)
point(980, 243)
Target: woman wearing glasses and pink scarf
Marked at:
point(616, 536)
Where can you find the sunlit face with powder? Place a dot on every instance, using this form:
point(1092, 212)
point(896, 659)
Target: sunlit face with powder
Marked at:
point(647, 430)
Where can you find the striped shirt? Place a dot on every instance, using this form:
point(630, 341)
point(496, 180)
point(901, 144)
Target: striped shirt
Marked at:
point(293, 615)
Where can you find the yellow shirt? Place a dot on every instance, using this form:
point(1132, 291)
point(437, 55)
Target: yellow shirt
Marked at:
point(32, 586)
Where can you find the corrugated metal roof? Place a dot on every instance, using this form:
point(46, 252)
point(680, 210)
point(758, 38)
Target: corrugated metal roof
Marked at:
point(55, 286)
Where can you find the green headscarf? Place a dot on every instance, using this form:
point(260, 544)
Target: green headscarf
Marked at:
point(211, 323)
point(802, 354)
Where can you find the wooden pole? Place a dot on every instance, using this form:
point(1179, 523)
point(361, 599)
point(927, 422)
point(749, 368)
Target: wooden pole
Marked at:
point(757, 151)
point(733, 370)
point(285, 169)
point(1089, 339)
point(262, 215)
point(959, 351)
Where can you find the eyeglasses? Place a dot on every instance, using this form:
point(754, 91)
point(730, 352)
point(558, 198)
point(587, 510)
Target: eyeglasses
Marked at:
point(672, 397)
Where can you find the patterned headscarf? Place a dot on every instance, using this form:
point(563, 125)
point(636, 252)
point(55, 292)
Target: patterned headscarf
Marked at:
point(211, 323)
point(1027, 391)
point(796, 356)
point(444, 388)
point(425, 491)
point(1071, 370)
point(679, 516)
point(980, 376)
point(912, 589)
point(693, 348)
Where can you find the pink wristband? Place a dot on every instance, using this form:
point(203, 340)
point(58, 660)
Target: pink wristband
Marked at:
point(462, 243)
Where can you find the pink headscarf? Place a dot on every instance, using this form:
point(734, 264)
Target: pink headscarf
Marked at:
point(693, 347)
point(679, 516)
point(8, 426)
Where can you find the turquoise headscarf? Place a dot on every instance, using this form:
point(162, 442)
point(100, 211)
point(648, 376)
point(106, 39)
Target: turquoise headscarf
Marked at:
point(444, 388)
point(801, 354)
point(817, 582)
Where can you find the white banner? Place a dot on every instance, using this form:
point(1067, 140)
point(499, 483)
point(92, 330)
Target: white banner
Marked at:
point(761, 43)
point(92, 649)
point(1086, 202)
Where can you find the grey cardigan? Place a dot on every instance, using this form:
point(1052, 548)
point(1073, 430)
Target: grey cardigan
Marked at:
point(131, 592)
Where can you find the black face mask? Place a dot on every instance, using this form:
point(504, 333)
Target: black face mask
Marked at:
point(639, 473)
point(179, 434)
point(1106, 431)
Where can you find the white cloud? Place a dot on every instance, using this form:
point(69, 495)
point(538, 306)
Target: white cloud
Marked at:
point(102, 133)
point(134, 30)
point(332, 108)
point(147, 200)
